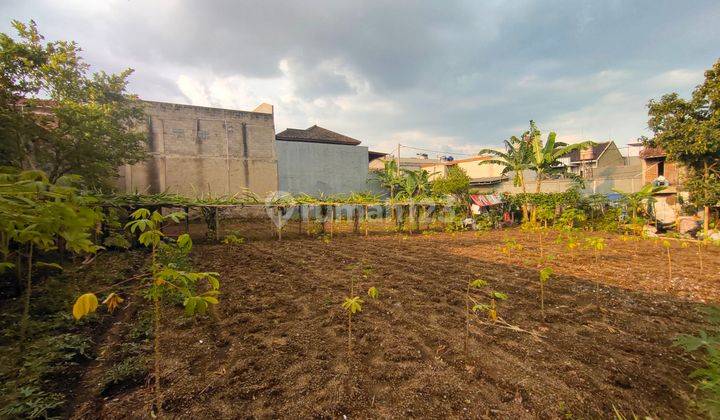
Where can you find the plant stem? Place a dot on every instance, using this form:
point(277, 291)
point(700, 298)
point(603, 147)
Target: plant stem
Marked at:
point(26, 304)
point(542, 300)
point(467, 319)
point(156, 343)
point(700, 255)
point(669, 266)
point(349, 335)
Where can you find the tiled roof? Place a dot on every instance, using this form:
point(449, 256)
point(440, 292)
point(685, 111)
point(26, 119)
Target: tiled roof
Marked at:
point(597, 150)
point(651, 152)
point(316, 134)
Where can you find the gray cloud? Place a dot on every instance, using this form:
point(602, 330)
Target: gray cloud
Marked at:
point(464, 72)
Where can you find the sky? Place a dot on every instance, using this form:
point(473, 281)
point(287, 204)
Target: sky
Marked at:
point(448, 76)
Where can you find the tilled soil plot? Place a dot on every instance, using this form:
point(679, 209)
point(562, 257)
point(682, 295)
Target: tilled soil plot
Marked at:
point(280, 348)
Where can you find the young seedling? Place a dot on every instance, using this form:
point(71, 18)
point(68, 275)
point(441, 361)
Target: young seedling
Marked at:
point(666, 244)
point(597, 244)
point(492, 308)
point(163, 277)
point(352, 305)
point(474, 284)
point(572, 244)
point(544, 275)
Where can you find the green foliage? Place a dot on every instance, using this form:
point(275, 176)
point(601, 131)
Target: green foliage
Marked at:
point(128, 372)
point(233, 238)
point(373, 292)
point(571, 218)
point(689, 132)
point(709, 376)
point(516, 158)
point(352, 304)
point(85, 127)
point(545, 157)
point(545, 274)
point(33, 403)
point(456, 183)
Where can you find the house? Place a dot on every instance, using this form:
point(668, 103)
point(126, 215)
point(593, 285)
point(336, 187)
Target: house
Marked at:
point(409, 163)
point(487, 175)
point(319, 161)
point(658, 171)
point(198, 150)
point(587, 162)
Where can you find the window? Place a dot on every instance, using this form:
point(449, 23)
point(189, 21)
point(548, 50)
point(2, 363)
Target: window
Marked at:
point(661, 168)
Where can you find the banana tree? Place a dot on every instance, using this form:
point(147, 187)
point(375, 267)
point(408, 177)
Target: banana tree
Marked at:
point(545, 157)
point(515, 159)
point(634, 201)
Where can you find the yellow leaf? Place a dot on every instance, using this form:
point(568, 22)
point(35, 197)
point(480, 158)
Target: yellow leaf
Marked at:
point(159, 281)
point(492, 313)
point(112, 301)
point(84, 305)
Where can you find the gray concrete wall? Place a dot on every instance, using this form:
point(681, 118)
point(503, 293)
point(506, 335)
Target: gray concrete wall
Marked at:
point(197, 150)
point(315, 168)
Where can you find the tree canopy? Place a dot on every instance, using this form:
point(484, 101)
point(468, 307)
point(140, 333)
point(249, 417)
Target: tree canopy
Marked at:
point(57, 117)
point(688, 130)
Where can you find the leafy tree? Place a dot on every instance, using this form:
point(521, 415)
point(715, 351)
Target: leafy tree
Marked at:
point(37, 215)
point(456, 183)
point(57, 118)
point(689, 132)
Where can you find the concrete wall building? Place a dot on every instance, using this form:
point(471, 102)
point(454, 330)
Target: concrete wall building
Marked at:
point(587, 162)
point(319, 161)
point(198, 150)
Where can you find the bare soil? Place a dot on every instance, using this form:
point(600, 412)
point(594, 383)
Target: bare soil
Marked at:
point(280, 346)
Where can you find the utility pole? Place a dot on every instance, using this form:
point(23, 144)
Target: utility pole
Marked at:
point(397, 161)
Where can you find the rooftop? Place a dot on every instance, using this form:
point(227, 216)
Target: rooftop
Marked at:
point(316, 134)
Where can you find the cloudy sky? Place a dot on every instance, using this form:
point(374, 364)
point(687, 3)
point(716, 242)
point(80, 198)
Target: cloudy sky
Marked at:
point(446, 75)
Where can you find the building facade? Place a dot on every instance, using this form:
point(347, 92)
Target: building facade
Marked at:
point(198, 151)
point(319, 161)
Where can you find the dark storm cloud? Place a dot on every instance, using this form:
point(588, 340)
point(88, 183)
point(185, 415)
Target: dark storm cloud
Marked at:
point(475, 71)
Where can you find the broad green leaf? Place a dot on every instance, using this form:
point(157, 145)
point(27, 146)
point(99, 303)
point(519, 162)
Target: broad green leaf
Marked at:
point(353, 304)
point(498, 295)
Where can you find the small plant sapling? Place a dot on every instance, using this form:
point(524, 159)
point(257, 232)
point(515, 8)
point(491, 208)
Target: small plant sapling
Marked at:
point(353, 304)
point(597, 244)
point(470, 302)
point(666, 244)
point(491, 309)
point(544, 275)
point(163, 277)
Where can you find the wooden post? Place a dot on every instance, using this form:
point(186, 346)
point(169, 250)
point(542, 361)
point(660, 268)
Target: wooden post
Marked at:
point(356, 219)
point(332, 220)
point(367, 220)
point(187, 219)
point(279, 222)
point(300, 216)
point(216, 212)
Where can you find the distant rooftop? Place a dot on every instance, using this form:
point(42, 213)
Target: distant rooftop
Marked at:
point(316, 134)
point(592, 153)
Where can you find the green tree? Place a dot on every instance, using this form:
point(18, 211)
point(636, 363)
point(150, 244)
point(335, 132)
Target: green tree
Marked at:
point(58, 118)
point(389, 177)
point(689, 132)
point(456, 183)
